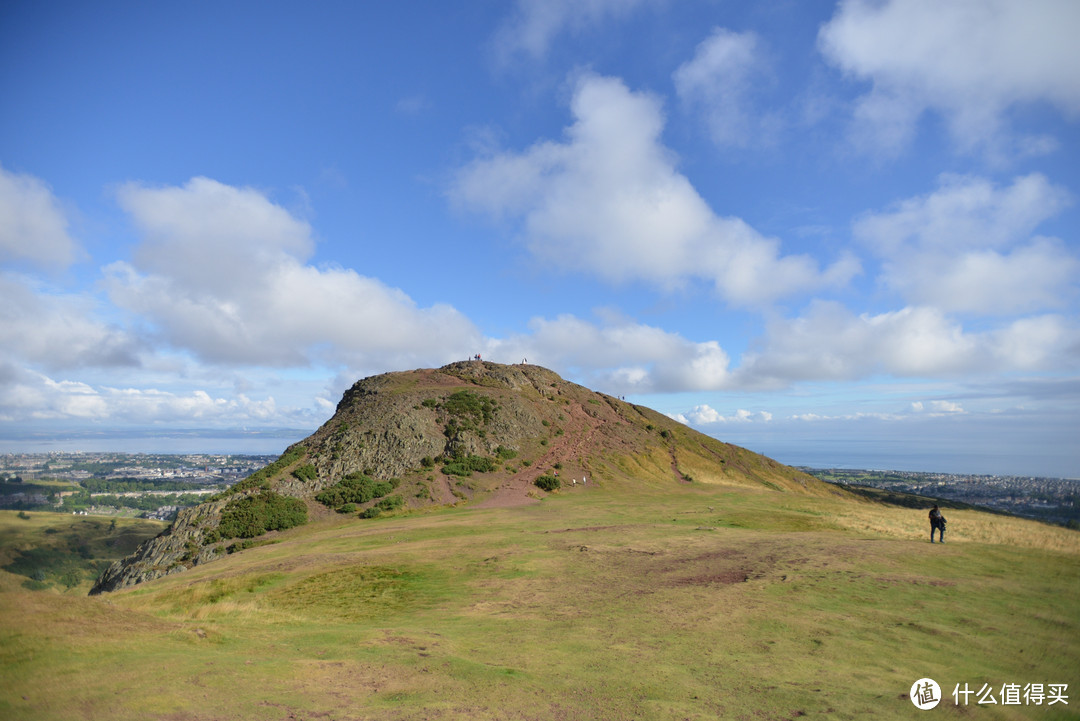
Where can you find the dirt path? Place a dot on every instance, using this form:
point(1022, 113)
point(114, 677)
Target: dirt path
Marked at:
point(442, 492)
point(675, 466)
point(567, 448)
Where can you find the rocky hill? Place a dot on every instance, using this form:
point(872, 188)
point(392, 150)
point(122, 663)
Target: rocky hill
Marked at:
point(478, 432)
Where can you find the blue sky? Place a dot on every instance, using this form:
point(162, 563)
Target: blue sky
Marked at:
point(837, 233)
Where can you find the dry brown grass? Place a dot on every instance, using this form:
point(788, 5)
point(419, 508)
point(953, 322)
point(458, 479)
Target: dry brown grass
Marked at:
point(964, 526)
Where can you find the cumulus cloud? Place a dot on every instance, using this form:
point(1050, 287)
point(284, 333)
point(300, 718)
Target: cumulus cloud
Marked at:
point(967, 247)
point(938, 408)
point(970, 61)
point(57, 330)
point(720, 81)
point(829, 342)
point(534, 24)
point(203, 233)
point(620, 356)
point(610, 201)
point(221, 273)
point(704, 415)
point(31, 396)
point(33, 226)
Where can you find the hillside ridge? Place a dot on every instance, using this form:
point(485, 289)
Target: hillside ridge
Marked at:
point(471, 431)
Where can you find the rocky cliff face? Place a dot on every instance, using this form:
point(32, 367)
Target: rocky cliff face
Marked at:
point(404, 427)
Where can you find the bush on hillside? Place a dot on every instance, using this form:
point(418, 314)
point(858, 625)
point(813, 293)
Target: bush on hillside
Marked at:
point(354, 488)
point(468, 465)
point(391, 503)
point(466, 404)
point(548, 483)
point(254, 515)
point(305, 473)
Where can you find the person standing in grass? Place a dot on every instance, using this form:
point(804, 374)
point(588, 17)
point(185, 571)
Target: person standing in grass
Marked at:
point(937, 521)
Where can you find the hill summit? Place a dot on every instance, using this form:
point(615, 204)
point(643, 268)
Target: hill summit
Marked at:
point(478, 432)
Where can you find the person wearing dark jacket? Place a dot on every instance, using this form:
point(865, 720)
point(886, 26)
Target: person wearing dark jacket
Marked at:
point(937, 521)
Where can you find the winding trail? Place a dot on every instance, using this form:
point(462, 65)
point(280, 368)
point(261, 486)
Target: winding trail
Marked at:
point(566, 448)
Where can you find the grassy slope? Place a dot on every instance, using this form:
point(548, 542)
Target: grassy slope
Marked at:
point(69, 551)
point(662, 601)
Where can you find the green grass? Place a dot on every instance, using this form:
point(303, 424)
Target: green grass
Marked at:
point(67, 553)
point(690, 601)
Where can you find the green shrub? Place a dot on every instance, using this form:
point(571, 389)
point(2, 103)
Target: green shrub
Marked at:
point(391, 503)
point(505, 453)
point(470, 464)
point(347, 508)
point(371, 512)
point(354, 488)
point(254, 515)
point(548, 483)
point(466, 404)
point(305, 473)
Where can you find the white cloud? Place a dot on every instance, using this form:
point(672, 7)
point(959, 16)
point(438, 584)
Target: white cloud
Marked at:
point(33, 226)
point(31, 396)
point(1032, 277)
point(620, 357)
point(831, 343)
point(221, 274)
point(704, 415)
point(965, 212)
point(610, 201)
point(939, 408)
point(970, 60)
point(967, 247)
point(213, 237)
point(57, 330)
point(721, 79)
point(534, 24)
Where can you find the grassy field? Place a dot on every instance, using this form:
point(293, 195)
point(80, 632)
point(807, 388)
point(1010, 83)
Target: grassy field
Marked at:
point(690, 602)
point(57, 551)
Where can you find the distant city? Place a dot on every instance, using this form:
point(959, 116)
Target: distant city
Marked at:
point(1054, 500)
point(143, 485)
point(156, 486)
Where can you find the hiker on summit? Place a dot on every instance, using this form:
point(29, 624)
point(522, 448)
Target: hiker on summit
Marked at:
point(937, 521)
